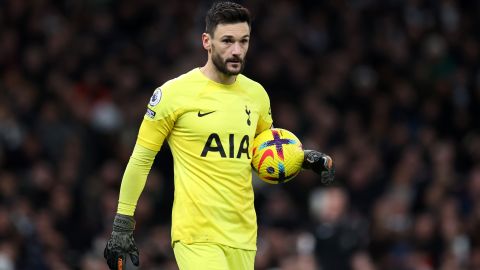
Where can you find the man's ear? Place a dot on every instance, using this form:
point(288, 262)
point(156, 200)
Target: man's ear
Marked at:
point(206, 41)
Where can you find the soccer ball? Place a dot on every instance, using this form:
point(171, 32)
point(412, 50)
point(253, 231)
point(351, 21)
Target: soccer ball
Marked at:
point(277, 155)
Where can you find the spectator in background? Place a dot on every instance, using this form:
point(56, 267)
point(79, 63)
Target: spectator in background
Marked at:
point(338, 234)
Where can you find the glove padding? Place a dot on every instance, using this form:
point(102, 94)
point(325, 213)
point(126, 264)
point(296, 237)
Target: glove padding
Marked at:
point(321, 164)
point(121, 243)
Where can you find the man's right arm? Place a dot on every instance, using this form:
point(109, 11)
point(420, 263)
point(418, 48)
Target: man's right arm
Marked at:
point(134, 179)
point(156, 125)
point(121, 243)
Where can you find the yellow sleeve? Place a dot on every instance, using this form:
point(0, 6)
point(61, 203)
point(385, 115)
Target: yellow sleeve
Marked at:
point(157, 124)
point(265, 120)
point(134, 179)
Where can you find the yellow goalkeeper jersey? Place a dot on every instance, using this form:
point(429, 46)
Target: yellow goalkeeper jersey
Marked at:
point(210, 129)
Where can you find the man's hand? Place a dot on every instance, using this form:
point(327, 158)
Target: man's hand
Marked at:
point(121, 243)
point(321, 164)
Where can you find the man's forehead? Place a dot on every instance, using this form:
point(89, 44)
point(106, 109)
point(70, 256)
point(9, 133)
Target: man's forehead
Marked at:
point(232, 29)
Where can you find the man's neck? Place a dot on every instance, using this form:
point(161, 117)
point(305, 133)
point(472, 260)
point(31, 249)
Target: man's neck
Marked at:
point(211, 72)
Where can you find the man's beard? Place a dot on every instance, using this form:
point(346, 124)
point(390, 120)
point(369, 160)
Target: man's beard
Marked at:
point(222, 65)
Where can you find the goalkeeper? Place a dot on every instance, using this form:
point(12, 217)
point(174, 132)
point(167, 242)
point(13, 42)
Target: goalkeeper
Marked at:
point(209, 117)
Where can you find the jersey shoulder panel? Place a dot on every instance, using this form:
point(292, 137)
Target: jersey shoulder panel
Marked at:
point(182, 84)
point(175, 95)
point(254, 89)
point(167, 104)
point(244, 80)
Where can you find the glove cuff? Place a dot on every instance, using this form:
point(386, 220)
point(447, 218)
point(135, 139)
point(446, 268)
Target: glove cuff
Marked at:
point(123, 223)
point(310, 158)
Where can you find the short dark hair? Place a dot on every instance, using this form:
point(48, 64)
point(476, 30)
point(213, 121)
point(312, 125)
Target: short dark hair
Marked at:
point(225, 12)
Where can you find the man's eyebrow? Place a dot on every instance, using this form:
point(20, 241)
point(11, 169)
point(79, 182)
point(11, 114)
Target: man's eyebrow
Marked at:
point(230, 36)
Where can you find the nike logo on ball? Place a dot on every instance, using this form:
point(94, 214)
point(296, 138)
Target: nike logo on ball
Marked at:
point(203, 114)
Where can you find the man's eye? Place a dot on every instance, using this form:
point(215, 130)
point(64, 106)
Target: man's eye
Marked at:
point(228, 41)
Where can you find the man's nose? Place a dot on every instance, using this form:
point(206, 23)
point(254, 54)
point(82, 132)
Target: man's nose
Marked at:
point(237, 48)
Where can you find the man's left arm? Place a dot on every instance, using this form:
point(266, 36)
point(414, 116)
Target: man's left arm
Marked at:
point(313, 160)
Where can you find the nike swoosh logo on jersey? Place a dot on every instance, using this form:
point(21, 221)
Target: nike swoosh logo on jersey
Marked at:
point(203, 114)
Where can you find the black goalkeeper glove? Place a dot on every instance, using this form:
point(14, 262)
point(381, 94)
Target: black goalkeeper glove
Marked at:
point(321, 164)
point(121, 243)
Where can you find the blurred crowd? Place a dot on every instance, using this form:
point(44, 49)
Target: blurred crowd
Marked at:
point(389, 88)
